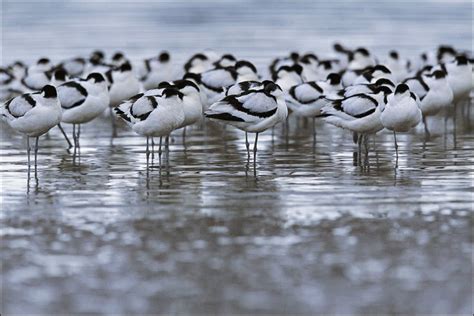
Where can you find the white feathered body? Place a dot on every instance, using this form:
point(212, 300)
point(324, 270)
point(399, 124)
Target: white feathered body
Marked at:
point(401, 113)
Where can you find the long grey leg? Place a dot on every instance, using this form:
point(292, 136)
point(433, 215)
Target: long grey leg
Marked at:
point(147, 152)
point(65, 135)
point(36, 156)
point(255, 155)
point(28, 152)
point(247, 144)
point(78, 135)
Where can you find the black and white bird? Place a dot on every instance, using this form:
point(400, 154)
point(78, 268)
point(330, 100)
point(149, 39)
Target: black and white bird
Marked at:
point(17, 69)
point(226, 60)
point(97, 63)
point(288, 76)
point(82, 101)
point(33, 114)
point(213, 81)
point(309, 62)
point(37, 75)
point(156, 70)
point(243, 86)
point(246, 71)
point(118, 59)
point(436, 95)
point(154, 116)
point(201, 62)
point(459, 78)
point(399, 67)
point(59, 77)
point(401, 112)
point(122, 83)
point(277, 63)
point(251, 111)
point(360, 60)
point(372, 74)
point(325, 68)
point(307, 99)
point(342, 54)
point(74, 67)
point(359, 113)
point(365, 88)
point(9, 86)
point(191, 103)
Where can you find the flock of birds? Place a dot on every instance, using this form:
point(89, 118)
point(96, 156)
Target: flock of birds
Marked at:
point(352, 90)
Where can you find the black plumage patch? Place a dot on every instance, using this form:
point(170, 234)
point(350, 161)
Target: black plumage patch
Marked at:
point(76, 86)
point(225, 117)
point(108, 74)
point(122, 114)
point(365, 113)
point(232, 100)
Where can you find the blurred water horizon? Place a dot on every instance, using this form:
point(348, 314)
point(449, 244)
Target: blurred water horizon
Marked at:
point(257, 30)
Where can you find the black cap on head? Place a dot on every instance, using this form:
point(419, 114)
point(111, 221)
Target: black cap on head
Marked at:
point(438, 74)
point(171, 92)
point(180, 84)
point(462, 60)
point(384, 81)
point(381, 68)
point(334, 78)
point(394, 54)
point(339, 48)
point(294, 56)
point(164, 57)
point(326, 64)
point(98, 54)
point(164, 84)
point(401, 88)
point(199, 56)
point(49, 91)
point(190, 62)
point(43, 60)
point(384, 89)
point(245, 63)
point(270, 87)
point(126, 66)
point(19, 64)
point(192, 76)
point(96, 76)
point(297, 68)
point(60, 74)
point(117, 56)
point(307, 58)
point(362, 50)
point(228, 56)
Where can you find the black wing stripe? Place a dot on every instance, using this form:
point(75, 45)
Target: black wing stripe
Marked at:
point(215, 89)
point(76, 86)
point(122, 114)
point(225, 117)
point(29, 99)
point(363, 96)
point(364, 114)
point(239, 107)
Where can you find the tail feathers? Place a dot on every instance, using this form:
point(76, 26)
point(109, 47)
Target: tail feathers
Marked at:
point(123, 111)
point(4, 114)
point(336, 121)
point(333, 111)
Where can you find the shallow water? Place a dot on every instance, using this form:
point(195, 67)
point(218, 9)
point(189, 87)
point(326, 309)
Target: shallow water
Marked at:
point(312, 232)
